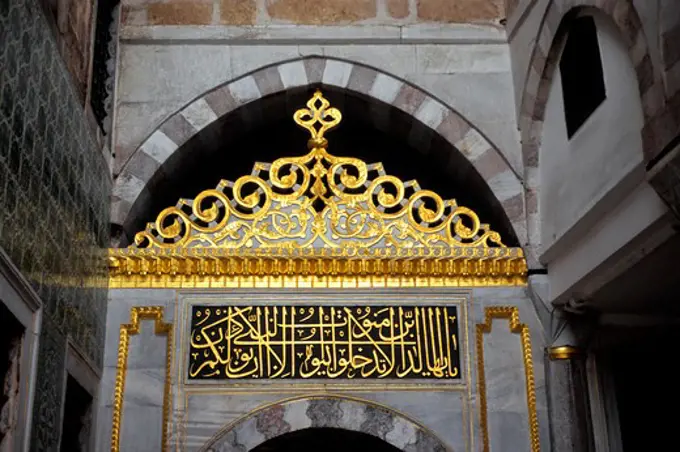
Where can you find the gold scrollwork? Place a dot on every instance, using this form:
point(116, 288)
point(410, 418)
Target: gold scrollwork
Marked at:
point(512, 314)
point(318, 200)
point(137, 314)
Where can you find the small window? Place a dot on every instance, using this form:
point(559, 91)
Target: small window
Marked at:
point(582, 76)
point(76, 424)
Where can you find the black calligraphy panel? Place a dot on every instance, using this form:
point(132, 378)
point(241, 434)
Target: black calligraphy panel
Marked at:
point(331, 342)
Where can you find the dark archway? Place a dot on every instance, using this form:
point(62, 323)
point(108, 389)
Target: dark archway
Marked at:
point(228, 148)
point(326, 440)
point(326, 414)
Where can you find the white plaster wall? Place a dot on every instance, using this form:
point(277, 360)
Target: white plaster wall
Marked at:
point(576, 175)
point(586, 266)
point(163, 68)
point(526, 21)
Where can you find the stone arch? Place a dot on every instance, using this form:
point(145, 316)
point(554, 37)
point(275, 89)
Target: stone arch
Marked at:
point(670, 46)
point(542, 67)
point(429, 115)
point(324, 412)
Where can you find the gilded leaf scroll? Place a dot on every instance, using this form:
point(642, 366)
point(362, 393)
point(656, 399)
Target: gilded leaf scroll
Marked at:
point(317, 201)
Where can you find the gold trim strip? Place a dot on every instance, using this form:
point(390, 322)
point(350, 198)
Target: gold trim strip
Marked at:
point(343, 268)
point(512, 314)
point(137, 314)
point(564, 352)
point(305, 282)
point(320, 387)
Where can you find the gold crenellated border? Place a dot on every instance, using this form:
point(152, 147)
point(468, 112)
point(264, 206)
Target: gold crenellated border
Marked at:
point(224, 268)
point(512, 314)
point(137, 314)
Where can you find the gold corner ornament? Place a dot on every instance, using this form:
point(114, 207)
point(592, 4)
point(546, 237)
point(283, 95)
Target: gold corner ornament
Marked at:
point(316, 215)
point(511, 313)
point(161, 328)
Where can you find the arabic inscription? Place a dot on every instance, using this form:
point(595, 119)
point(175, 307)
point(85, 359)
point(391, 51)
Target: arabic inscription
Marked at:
point(331, 342)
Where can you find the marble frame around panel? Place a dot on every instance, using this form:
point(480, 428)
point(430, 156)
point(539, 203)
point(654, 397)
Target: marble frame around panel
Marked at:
point(434, 438)
point(461, 298)
point(292, 393)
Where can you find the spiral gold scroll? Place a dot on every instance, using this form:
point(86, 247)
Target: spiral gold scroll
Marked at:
point(317, 201)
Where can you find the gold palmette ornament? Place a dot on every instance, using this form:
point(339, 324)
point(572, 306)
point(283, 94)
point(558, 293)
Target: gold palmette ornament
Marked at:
point(317, 220)
point(318, 201)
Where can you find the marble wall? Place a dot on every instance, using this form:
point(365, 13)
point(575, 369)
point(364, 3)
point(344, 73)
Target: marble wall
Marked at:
point(443, 411)
point(54, 195)
point(162, 69)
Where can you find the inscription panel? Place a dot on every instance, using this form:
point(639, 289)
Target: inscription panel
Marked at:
point(327, 342)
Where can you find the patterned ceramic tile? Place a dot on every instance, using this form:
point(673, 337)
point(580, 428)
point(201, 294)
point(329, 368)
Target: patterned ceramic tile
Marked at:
point(53, 201)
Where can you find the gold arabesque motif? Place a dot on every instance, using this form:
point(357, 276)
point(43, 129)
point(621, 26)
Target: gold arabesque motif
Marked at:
point(317, 215)
point(319, 201)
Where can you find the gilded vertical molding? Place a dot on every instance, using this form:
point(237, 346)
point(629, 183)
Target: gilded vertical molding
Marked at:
point(512, 314)
point(137, 314)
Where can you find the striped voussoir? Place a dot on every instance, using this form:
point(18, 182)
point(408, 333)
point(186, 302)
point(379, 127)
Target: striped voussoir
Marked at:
point(542, 67)
point(324, 412)
point(429, 116)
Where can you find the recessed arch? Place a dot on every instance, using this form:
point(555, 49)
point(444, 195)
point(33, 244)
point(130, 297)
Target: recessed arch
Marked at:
point(543, 63)
point(327, 411)
point(429, 117)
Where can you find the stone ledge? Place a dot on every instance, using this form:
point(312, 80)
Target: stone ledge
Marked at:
point(319, 34)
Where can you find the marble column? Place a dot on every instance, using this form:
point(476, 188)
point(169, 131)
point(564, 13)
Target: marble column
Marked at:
point(570, 421)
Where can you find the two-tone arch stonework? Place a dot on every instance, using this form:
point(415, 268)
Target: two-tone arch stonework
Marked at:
point(542, 69)
point(324, 412)
point(429, 116)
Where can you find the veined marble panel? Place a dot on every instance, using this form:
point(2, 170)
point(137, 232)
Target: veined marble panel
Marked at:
point(447, 410)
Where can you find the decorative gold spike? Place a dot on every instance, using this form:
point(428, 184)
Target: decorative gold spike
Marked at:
point(312, 115)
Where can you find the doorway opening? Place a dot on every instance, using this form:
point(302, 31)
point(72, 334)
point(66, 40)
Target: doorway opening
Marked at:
point(325, 439)
point(11, 338)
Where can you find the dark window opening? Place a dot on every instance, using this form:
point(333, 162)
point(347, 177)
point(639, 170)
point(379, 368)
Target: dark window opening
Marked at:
point(582, 75)
point(75, 433)
point(11, 335)
point(325, 439)
point(102, 61)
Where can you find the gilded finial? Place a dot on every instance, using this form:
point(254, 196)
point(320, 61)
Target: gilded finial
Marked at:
point(326, 116)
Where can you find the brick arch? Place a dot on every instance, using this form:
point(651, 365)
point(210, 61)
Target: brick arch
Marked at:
point(542, 68)
point(324, 412)
point(428, 113)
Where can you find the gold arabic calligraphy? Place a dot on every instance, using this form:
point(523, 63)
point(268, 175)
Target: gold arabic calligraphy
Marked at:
point(237, 342)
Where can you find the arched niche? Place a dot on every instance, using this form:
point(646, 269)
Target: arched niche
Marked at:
point(357, 419)
point(371, 130)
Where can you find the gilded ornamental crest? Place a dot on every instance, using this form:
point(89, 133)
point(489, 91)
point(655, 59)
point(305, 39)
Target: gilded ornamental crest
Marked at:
point(319, 214)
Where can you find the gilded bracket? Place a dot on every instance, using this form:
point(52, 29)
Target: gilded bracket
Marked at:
point(512, 314)
point(137, 314)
